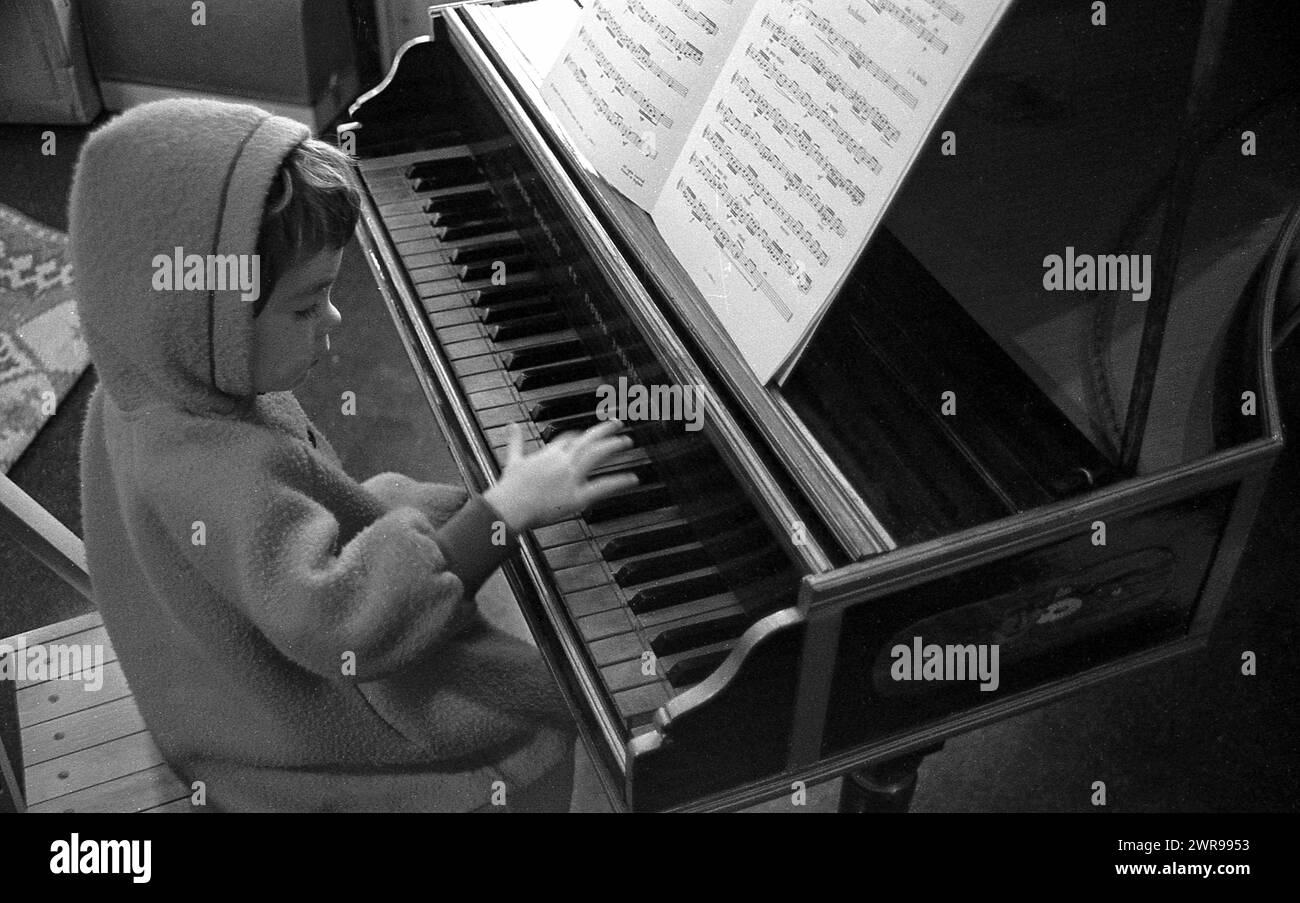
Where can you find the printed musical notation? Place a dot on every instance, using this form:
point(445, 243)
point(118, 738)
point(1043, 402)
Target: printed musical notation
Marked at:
point(769, 182)
point(690, 12)
point(638, 51)
point(623, 85)
point(785, 128)
point(906, 18)
point(763, 193)
point(732, 248)
point(947, 9)
point(682, 48)
point(855, 54)
point(612, 116)
point(796, 183)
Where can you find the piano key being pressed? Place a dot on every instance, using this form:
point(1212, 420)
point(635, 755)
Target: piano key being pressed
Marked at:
point(705, 632)
point(677, 591)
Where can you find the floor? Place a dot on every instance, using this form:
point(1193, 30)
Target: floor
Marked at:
point(1190, 735)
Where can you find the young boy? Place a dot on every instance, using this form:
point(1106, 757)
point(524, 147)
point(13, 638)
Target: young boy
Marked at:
point(295, 640)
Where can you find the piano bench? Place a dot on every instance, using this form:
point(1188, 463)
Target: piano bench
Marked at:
point(85, 749)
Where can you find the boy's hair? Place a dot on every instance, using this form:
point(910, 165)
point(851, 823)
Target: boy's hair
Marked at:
point(313, 205)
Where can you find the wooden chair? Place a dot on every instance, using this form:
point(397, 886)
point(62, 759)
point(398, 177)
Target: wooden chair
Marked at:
point(78, 749)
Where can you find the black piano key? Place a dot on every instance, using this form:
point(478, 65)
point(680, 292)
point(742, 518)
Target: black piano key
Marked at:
point(543, 353)
point(486, 269)
point(461, 200)
point(565, 405)
point(490, 251)
point(555, 375)
point(677, 592)
point(693, 669)
point(433, 175)
point(526, 326)
point(514, 310)
point(702, 633)
point(562, 425)
point(476, 230)
point(468, 215)
point(661, 565)
point(634, 500)
point(645, 541)
point(514, 291)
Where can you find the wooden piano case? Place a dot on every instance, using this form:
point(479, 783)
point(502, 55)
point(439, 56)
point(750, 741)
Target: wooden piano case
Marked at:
point(1009, 527)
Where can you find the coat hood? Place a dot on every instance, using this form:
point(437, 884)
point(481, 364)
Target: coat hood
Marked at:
point(177, 174)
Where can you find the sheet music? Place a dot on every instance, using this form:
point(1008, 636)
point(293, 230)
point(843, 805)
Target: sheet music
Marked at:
point(632, 79)
point(800, 147)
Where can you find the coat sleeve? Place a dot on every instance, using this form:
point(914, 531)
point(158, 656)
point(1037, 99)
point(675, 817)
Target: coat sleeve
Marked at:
point(327, 573)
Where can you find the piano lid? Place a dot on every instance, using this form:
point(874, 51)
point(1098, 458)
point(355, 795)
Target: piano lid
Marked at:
point(1060, 152)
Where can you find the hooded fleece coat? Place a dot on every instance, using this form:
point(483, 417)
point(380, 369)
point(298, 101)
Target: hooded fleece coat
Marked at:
point(294, 639)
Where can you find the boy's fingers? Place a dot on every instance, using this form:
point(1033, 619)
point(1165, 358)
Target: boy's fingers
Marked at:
point(603, 487)
point(593, 455)
point(515, 443)
point(600, 431)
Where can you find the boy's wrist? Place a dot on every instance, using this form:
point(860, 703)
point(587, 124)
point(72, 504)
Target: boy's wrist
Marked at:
point(506, 509)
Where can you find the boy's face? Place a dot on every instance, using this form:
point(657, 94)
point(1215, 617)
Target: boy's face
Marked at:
point(289, 335)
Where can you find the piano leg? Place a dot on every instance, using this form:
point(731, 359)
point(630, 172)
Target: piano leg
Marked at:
point(886, 787)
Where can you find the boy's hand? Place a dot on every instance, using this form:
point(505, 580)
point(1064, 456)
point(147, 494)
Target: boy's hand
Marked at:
point(554, 482)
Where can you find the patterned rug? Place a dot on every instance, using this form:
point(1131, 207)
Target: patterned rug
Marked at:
point(42, 352)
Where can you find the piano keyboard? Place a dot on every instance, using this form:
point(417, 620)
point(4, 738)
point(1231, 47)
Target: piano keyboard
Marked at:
point(648, 599)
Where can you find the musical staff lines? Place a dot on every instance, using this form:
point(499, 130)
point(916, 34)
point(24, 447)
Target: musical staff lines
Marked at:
point(732, 248)
point(793, 267)
point(638, 51)
point(947, 9)
point(907, 19)
point(796, 226)
point(612, 116)
point(864, 110)
point(651, 112)
point(667, 35)
point(854, 53)
point(861, 155)
point(710, 27)
point(805, 191)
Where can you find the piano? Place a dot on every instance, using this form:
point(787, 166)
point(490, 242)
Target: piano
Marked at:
point(944, 466)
